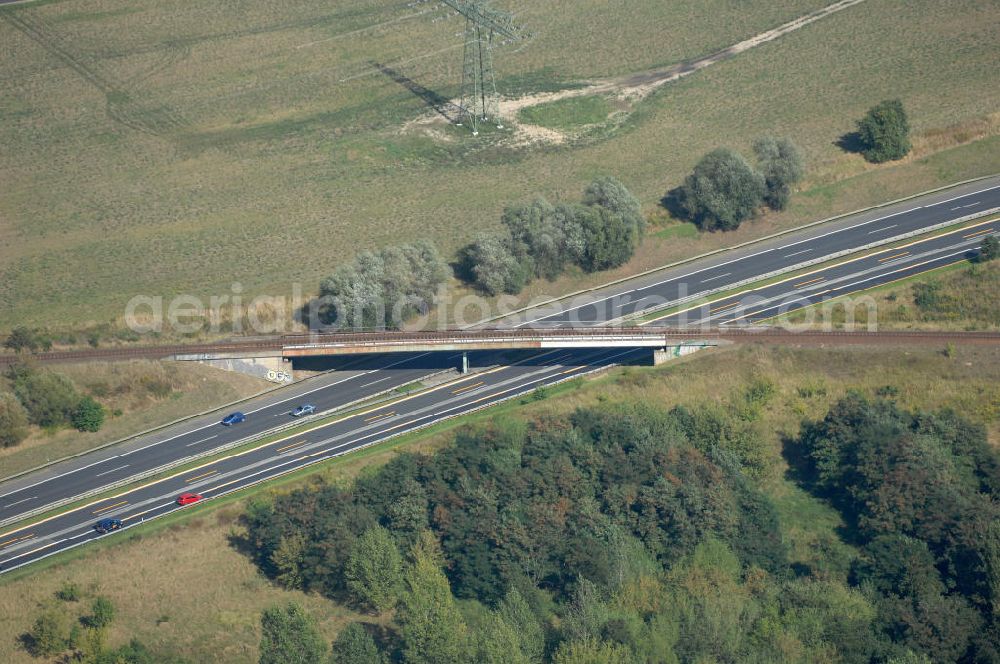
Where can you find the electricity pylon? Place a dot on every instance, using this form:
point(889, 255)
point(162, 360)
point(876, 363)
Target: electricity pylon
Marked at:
point(483, 23)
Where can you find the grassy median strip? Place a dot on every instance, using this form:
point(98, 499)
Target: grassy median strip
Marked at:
point(251, 446)
point(325, 467)
point(654, 316)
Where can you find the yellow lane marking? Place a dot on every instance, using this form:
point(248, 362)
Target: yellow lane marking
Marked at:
point(468, 387)
point(982, 232)
point(726, 306)
point(889, 258)
point(235, 455)
point(806, 283)
point(108, 507)
point(848, 261)
point(198, 477)
point(288, 447)
point(887, 283)
point(17, 539)
point(381, 416)
point(570, 370)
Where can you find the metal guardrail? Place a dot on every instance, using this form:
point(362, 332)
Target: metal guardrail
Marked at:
point(146, 474)
point(803, 265)
point(741, 245)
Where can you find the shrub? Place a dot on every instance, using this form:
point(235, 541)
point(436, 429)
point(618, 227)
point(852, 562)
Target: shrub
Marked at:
point(69, 592)
point(989, 250)
point(13, 420)
point(23, 338)
point(49, 398)
point(48, 636)
point(89, 415)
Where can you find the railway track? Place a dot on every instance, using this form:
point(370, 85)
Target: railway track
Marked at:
point(754, 335)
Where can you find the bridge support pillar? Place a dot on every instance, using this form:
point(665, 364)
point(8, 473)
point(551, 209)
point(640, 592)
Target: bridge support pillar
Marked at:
point(465, 363)
point(661, 355)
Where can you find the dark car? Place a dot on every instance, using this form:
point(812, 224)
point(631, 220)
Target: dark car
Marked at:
point(304, 409)
point(234, 418)
point(188, 498)
point(107, 525)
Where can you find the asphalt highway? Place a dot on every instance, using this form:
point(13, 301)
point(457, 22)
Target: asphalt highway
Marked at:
point(702, 277)
point(463, 395)
point(842, 278)
point(356, 380)
point(363, 377)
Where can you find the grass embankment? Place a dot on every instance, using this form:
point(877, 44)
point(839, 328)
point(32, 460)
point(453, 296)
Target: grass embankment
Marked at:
point(138, 395)
point(957, 297)
point(202, 598)
point(283, 138)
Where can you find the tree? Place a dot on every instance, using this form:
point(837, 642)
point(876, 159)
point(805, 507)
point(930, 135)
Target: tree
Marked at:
point(48, 635)
point(49, 398)
point(884, 132)
point(989, 249)
point(287, 560)
point(780, 162)
point(495, 267)
point(514, 611)
point(374, 571)
point(431, 626)
point(537, 237)
point(89, 415)
point(13, 420)
point(723, 191)
point(289, 637)
point(610, 238)
point(354, 645)
point(384, 288)
point(500, 643)
point(610, 193)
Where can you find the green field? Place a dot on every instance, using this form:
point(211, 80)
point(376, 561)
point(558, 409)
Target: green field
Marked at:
point(166, 147)
point(568, 113)
point(201, 598)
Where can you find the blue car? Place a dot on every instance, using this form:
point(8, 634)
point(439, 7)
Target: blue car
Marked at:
point(234, 418)
point(304, 409)
point(107, 525)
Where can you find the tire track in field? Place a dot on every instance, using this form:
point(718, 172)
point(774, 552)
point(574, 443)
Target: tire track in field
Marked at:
point(639, 86)
point(121, 96)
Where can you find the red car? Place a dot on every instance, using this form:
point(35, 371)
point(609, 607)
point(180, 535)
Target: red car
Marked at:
point(188, 498)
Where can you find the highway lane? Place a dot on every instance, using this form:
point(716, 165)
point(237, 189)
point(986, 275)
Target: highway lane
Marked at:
point(467, 394)
point(96, 469)
point(358, 378)
point(851, 275)
point(706, 276)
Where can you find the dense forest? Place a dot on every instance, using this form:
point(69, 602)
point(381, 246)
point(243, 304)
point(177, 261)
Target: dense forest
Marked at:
point(631, 533)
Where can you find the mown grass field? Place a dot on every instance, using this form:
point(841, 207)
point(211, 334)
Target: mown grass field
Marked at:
point(144, 394)
point(571, 113)
point(166, 147)
point(201, 598)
